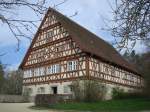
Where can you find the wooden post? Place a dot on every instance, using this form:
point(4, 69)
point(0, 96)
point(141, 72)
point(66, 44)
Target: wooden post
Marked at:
point(87, 68)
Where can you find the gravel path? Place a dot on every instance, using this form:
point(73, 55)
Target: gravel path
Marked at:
point(19, 107)
point(24, 107)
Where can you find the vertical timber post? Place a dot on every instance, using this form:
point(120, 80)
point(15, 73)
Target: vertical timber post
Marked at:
point(87, 68)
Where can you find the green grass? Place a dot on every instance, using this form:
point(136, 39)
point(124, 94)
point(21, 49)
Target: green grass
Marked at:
point(129, 105)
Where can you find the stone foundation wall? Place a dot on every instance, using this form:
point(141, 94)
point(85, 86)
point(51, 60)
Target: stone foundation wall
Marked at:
point(13, 99)
point(60, 87)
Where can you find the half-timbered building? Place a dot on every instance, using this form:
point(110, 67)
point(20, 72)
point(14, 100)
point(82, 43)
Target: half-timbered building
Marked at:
point(63, 51)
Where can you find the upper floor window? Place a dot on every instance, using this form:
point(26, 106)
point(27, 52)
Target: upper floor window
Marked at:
point(72, 65)
point(24, 74)
point(27, 73)
point(54, 69)
point(49, 34)
point(117, 73)
point(113, 72)
point(106, 70)
point(39, 71)
point(124, 76)
point(36, 72)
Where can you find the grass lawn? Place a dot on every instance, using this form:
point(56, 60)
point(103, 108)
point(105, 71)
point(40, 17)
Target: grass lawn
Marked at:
point(128, 105)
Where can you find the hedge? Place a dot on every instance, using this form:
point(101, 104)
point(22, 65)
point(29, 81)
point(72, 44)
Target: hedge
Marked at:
point(50, 99)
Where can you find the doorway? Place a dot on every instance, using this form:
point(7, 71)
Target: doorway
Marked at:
point(54, 90)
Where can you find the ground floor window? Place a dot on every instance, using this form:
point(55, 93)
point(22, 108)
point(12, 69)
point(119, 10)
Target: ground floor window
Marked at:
point(41, 90)
point(30, 90)
point(68, 89)
point(27, 91)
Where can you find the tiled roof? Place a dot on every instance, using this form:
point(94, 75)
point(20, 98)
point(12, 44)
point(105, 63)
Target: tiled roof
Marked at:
point(93, 44)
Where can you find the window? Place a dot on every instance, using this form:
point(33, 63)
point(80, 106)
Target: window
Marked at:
point(66, 89)
point(113, 72)
point(58, 69)
point(49, 70)
point(49, 34)
point(72, 65)
point(38, 90)
point(30, 73)
point(132, 77)
point(128, 76)
point(101, 67)
point(106, 69)
point(41, 71)
point(53, 69)
point(71, 88)
point(30, 91)
point(41, 90)
point(36, 72)
point(27, 90)
point(71, 45)
point(57, 49)
point(138, 80)
point(24, 74)
point(27, 73)
point(124, 76)
point(117, 73)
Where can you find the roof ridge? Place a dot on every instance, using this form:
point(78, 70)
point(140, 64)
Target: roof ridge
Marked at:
point(81, 26)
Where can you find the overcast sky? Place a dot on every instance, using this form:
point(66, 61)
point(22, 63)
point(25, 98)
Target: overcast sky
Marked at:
point(90, 13)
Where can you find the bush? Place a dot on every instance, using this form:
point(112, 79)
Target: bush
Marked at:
point(26, 95)
point(49, 99)
point(88, 90)
point(120, 94)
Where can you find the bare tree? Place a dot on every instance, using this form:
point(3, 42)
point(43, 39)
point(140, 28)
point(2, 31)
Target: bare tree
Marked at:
point(20, 27)
point(2, 79)
point(12, 83)
point(2, 54)
point(131, 23)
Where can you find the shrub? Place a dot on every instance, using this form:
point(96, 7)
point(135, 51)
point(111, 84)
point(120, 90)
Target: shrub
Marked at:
point(88, 90)
point(49, 99)
point(26, 95)
point(120, 94)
